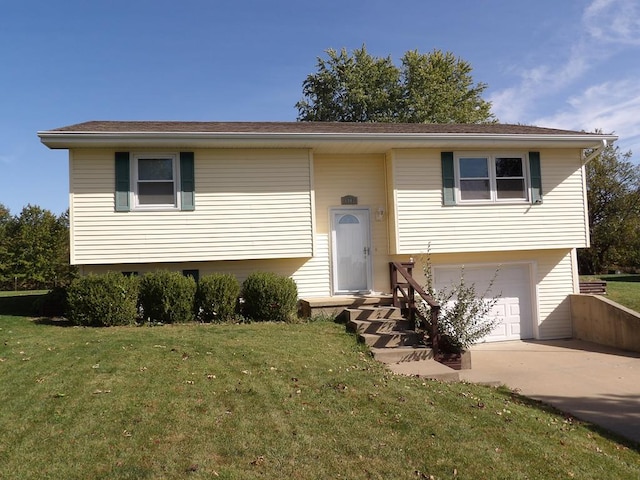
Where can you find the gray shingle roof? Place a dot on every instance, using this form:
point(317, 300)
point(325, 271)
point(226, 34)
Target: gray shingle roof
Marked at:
point(307, 128)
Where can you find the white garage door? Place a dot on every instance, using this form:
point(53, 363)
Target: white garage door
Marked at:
point(513, 284)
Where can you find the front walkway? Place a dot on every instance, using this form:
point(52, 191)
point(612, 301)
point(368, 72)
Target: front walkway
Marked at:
point(594, 383)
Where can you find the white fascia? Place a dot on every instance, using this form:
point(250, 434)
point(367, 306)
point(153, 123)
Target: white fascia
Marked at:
point(57, 139)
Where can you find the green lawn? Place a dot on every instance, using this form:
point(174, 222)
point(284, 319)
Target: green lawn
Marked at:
point(300, 401)
point(624, 289)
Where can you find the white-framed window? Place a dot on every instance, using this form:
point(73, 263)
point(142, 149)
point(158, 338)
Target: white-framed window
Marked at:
point(483, 178)
point(155, 181)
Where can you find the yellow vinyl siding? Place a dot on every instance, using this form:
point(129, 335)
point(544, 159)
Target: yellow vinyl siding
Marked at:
point(311, 276)
point(416, 193)
point(249, 204)
point(552, 277)
point(556, 280)
point(364, 177)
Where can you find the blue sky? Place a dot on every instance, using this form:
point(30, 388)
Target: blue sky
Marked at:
point(571, 64)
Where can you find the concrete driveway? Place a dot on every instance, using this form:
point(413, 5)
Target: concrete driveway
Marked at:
point(594, 383)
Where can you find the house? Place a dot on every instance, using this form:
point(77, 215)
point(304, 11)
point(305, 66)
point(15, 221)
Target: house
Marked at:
point(332, 204)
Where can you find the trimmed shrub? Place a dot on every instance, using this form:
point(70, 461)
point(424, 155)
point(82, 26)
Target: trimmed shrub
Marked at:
point(268, 296)
point(103, 300)
point(167, 297)
point(216, 297)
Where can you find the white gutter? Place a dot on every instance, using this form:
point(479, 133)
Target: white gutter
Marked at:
point(66, 139)
point(597, 151)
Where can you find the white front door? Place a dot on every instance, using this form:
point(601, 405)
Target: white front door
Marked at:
point(351, 250)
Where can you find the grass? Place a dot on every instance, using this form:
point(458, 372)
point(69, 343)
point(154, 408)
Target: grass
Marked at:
point(623, 289)
point(300, 401)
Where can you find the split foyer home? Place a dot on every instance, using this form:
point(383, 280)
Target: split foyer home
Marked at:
point(332, 204)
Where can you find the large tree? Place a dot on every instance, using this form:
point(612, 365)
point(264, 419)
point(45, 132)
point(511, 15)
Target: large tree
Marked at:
point(434, 87)
point(5, 222)
point(34, 249)
point(613, 195)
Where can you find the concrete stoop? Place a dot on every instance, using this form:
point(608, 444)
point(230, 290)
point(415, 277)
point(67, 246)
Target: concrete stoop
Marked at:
point(392, 342)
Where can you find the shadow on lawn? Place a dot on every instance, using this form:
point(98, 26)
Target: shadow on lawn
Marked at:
point(53, 321)
point(47, 308)
point(621, 278)
point(21, 305)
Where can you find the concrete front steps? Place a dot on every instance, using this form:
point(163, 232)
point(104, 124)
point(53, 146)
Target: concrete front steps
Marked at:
point(392, 342)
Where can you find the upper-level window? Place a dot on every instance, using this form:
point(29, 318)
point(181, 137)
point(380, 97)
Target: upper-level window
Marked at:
point(155, 181)
point(491, 178)
point(147, 181)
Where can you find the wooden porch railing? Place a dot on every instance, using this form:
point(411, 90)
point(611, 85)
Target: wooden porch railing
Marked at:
point(408, 287)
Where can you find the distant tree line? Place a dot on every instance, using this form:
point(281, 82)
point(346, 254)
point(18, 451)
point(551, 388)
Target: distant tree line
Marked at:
point(34, 249)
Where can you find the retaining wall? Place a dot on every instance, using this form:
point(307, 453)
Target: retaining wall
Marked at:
point(599, 320)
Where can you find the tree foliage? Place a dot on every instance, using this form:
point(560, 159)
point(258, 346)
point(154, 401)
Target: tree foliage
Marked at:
point(34, 249)
point(613, 195)
point(434, 87)
point(466, 316)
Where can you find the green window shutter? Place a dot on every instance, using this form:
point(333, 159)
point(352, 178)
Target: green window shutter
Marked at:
point(187, 181)
point(536, 177)
point(448, 179)
point(123, 183)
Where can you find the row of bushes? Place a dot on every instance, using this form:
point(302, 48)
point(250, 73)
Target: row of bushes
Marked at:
point(168, 297)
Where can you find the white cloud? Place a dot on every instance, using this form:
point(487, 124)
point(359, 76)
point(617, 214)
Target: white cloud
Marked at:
point(608, 27)
point(512, 104)
point(613, 21)
point(611, 106)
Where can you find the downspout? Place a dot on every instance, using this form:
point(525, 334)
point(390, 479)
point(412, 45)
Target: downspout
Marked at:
point(596, 152)
point(586, 160)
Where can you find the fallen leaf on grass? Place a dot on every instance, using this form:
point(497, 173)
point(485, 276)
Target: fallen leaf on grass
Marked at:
point(258, 461)
point(420, 474)
point(127, 433)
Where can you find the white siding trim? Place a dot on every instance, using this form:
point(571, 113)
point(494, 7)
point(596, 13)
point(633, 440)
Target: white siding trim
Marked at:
point(312, 202)
point(72, 243)
point(585, 208)
point(574, 271)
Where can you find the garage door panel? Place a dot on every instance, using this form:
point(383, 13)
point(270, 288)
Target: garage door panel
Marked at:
point(499, 311)
point(500, 330)
point(512, 285)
